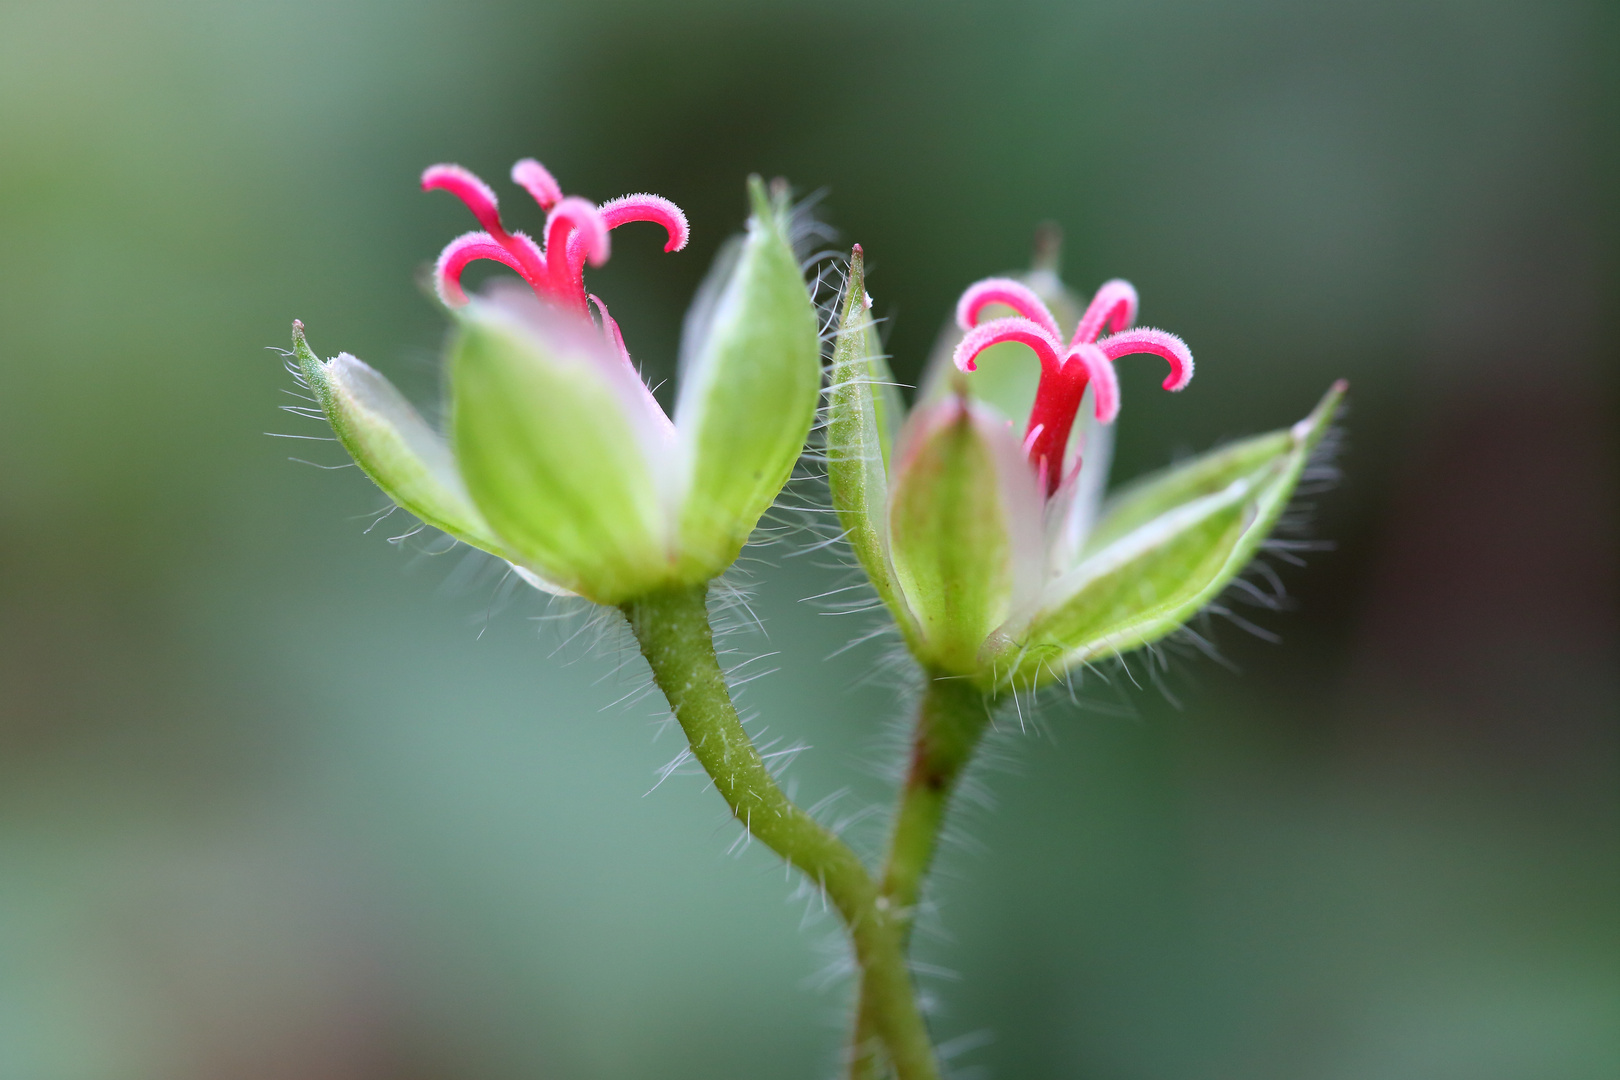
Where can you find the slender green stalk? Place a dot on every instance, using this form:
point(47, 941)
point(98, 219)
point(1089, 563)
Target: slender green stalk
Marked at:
point(951, 719)
point(673, 629)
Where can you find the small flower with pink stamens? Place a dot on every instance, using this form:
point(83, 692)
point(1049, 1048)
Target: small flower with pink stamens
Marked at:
point(558, 458)
point(991, 544)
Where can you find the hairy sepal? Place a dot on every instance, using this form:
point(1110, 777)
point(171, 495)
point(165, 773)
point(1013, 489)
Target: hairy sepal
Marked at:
point(862, 410)
point(392, 444)
point(558, 449)
point(751, 378)
point(965, 535)
point(1166, 548)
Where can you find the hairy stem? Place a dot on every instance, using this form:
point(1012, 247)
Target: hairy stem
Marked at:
point(672, 627)
point(951, 719)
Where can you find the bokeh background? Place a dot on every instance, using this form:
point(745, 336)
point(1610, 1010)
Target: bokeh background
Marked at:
point(281, 800)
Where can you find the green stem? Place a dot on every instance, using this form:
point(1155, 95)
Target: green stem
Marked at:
point(673, 629)
point(951, 719)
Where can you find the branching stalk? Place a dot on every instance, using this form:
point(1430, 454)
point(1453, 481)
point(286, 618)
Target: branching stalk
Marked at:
point(672, 627)
point(951, 719)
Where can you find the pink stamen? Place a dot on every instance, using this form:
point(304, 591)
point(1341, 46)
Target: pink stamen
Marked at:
point(653, 208)
point(1100, 376)
point(1030, 436)
point(624, 210)
point(1159, 343)
point(465, 249)
point(481, 201)
point(574, 215)
point(610, 329)
point(1017, 329)
point(1114, 307)
point(1014, 294)
point(532, 177)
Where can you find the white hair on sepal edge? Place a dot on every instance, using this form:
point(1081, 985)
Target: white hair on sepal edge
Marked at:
point(578, 622)
point(1259, 587)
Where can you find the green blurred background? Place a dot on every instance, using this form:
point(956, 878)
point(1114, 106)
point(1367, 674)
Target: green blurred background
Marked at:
point(280, 800)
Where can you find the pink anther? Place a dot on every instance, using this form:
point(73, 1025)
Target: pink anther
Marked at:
point(1014, 294)
point(610, 330)
point(1113, 308)
point(1159, 343)
point(532, 177)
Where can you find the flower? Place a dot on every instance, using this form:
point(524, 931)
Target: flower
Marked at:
point(996, 553)
point(558, 458)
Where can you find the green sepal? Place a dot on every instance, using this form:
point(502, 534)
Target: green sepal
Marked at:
point(964, 534)
point(748, 391)
point(863, 408)
point(392, 444)
point(552, 436)
point(1166, 547)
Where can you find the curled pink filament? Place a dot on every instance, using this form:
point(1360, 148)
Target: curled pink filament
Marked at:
point(576, 233)
point(1010, 293)
point(1066, 370)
